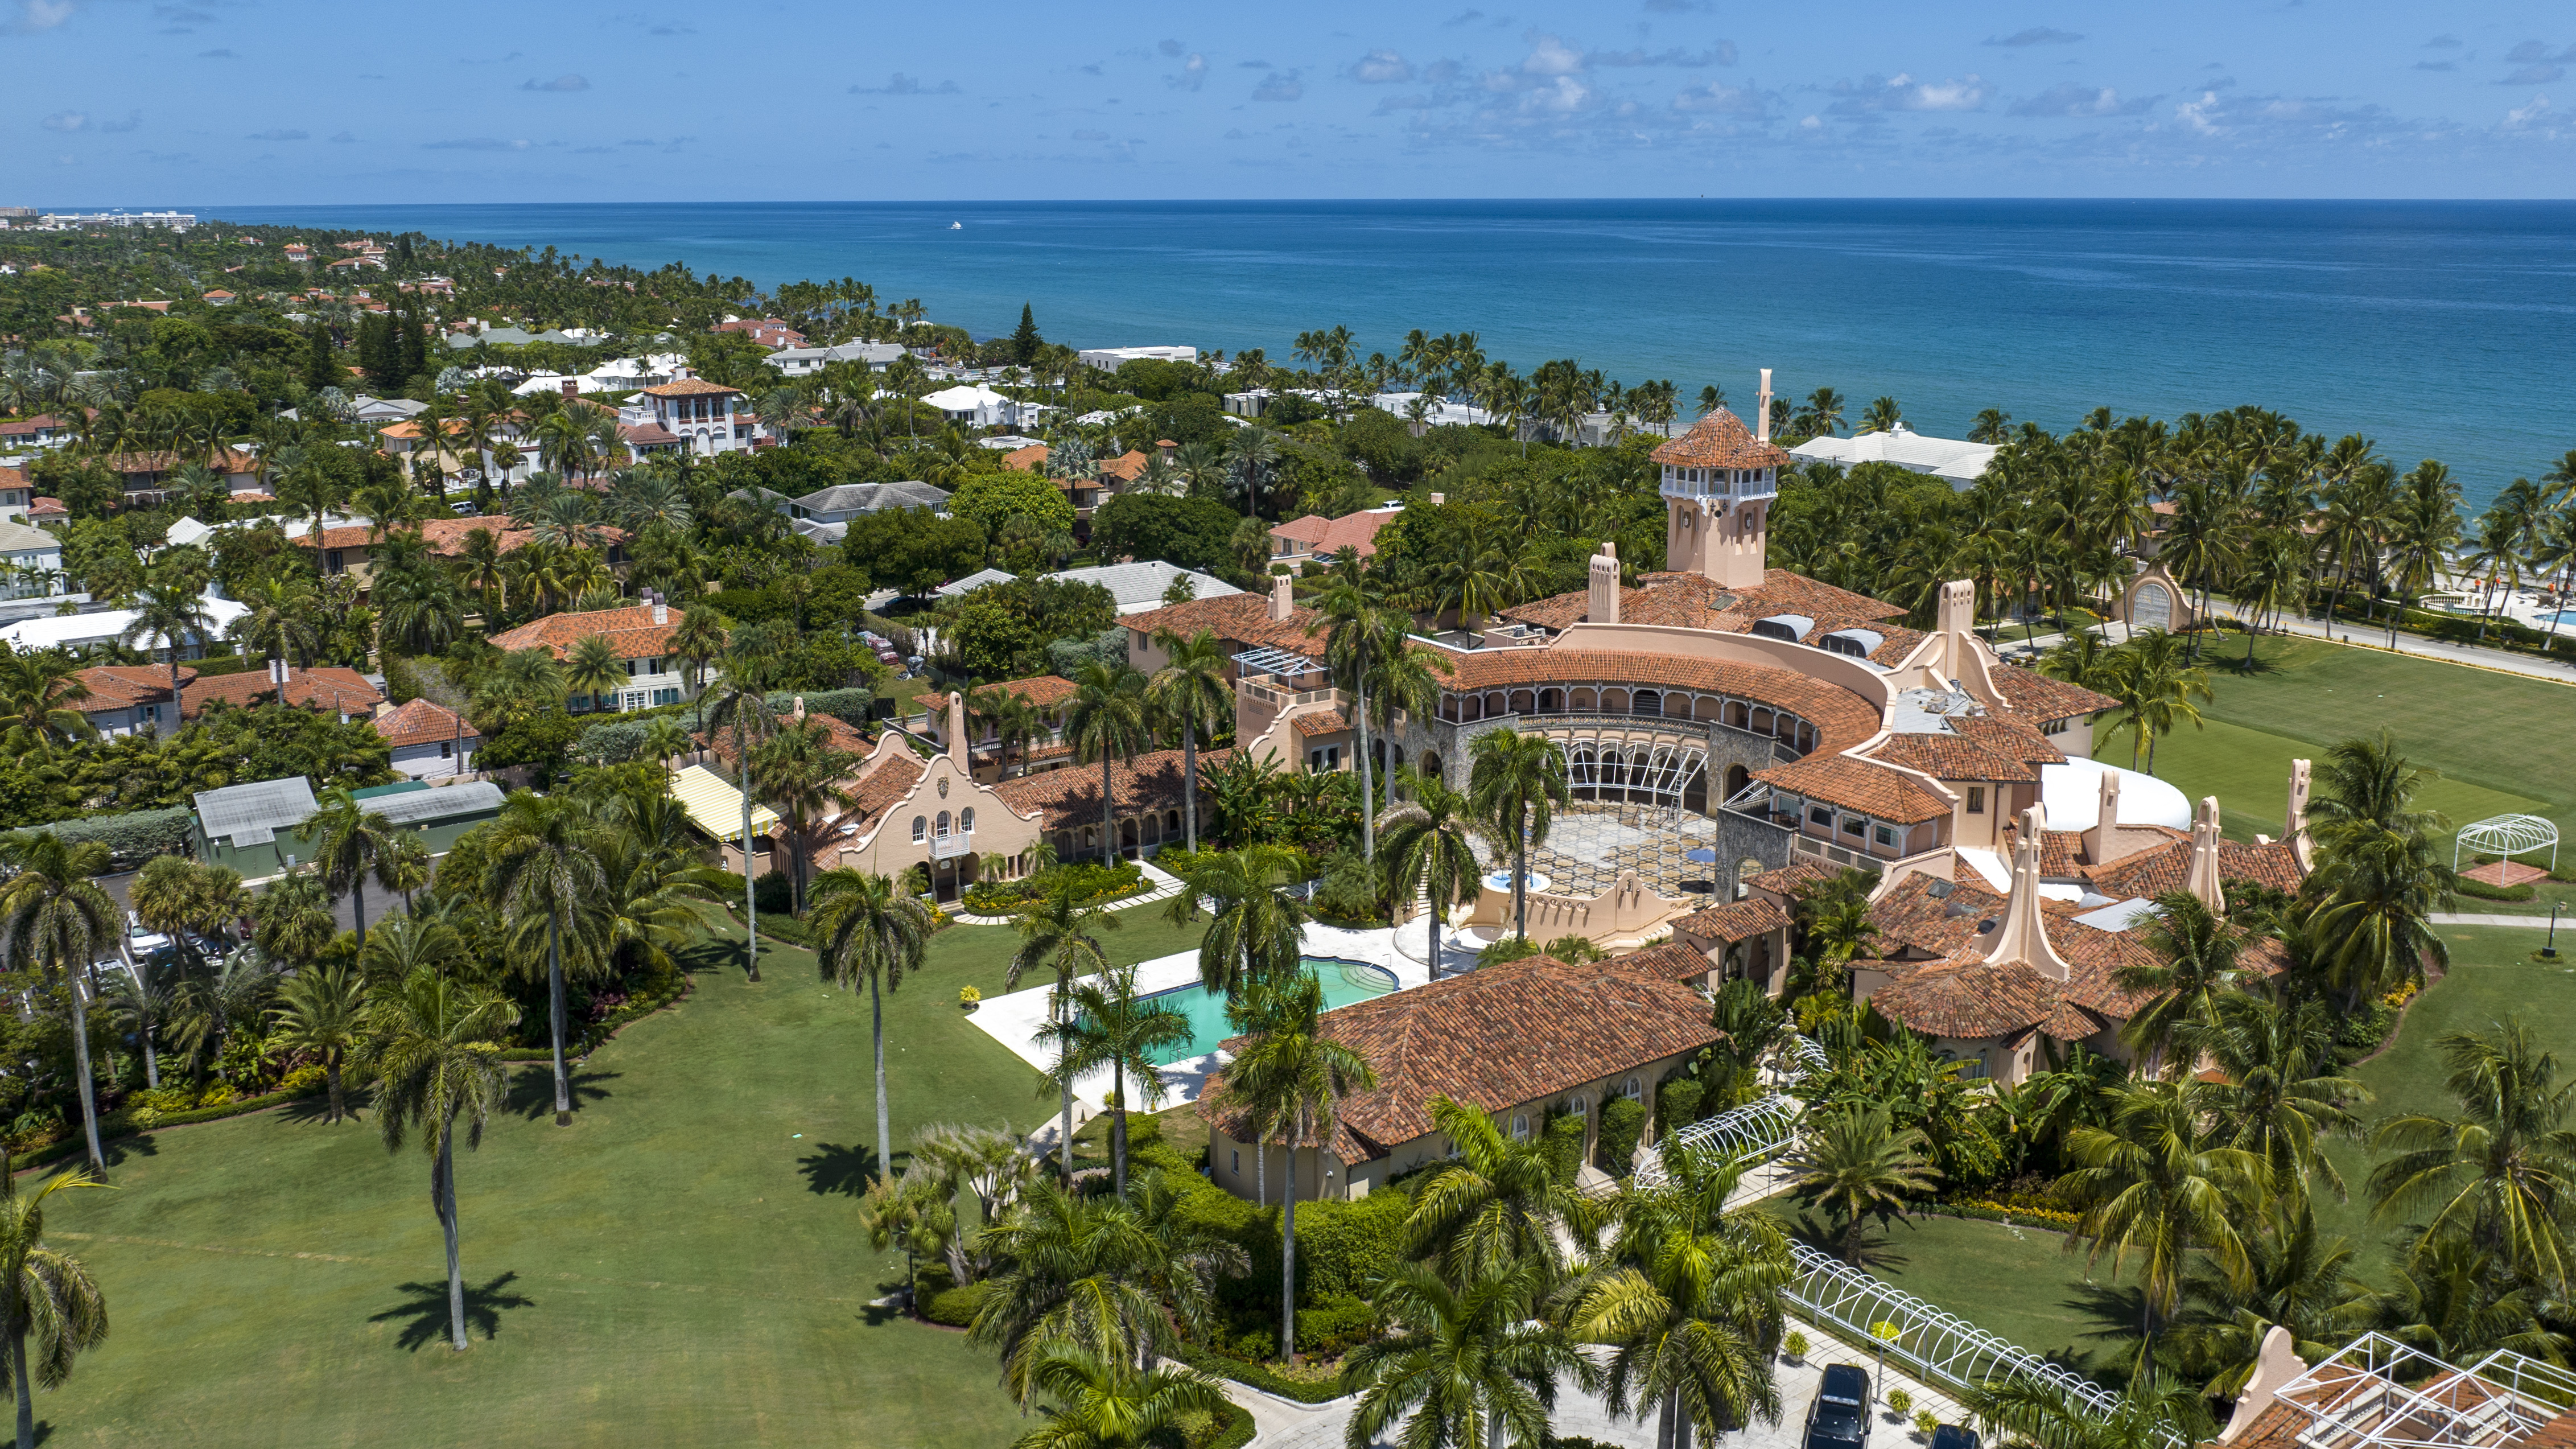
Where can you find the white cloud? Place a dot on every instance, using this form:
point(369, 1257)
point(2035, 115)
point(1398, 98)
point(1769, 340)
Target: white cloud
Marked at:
point(1382, 67)
point(2525, 118)
point(1551, 56)
point(1812, 123)
point(2199, 114)
point(1719, 99)
point(2069, 99)
point(35, 16)
point(2036, 35)
point(64, 121)
point(1903, 93)
point(1193, 73)
point(559, 83)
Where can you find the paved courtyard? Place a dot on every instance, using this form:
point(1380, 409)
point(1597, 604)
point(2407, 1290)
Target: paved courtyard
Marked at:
point(1589, 845)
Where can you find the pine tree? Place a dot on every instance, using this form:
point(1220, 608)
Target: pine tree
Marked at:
point(319, 370)
point(411, 349)
point(1026, 341)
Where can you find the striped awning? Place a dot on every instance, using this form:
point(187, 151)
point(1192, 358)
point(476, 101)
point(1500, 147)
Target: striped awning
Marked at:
point(715, 806)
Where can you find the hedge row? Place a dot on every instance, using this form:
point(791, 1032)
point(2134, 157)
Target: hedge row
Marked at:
point(120, 1124)
point(1991, 1212)
point(2482, 891)
point(1238, 1429)
point(1259, 1376)
point(133, 838)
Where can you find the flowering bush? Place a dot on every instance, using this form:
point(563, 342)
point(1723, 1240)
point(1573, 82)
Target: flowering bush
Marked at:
point(968, 996)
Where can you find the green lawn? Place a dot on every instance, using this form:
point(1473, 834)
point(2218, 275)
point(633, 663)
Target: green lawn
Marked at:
point(2018, 1283)
point(2249, 771)
point(682, 1265)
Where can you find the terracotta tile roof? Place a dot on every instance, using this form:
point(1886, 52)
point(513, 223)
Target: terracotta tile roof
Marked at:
point(223, 461)
point(331, 689)
point(690, 387)
point(882, 790)
point(1974, 1000)
point(1672, 961)
point(1321, 722)
point(118, 686)
point(2164, 868)
point(1842, 719)
point(1329, 536)
point(1040, 690)
point(646, 435)
point(1499, 1037)
point(1735, 921)
point(1987, 747)
point(1859, 785)
point(1793, 880)
point(27, 427)
point(43, 507)
point(408, 429)
point(836, 730)
point(423, 722)
point(1127, 467)
point(2042, 700)
point(1070, 798)
point(631, 630)
point(1692, 601)
point(1026, 459)
point(1240, 621)
point(1721, 440)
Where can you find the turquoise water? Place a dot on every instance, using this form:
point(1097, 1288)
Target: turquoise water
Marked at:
point(1344, 982)
point(2438, 328)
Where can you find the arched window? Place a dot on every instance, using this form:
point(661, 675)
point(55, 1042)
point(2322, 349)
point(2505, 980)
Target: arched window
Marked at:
point(1520, 1127)
point(920, 829)
point(966, 820)
point(943, 822)
point(1632, 1089)
point(1579, 1105)
point(1647, 701)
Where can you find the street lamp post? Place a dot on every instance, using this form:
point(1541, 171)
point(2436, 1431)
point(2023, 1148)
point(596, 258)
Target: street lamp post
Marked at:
point(1885, 1332)
point(2549, 950)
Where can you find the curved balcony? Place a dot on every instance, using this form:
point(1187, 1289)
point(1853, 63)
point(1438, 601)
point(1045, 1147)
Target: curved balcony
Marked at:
point(1719, 487)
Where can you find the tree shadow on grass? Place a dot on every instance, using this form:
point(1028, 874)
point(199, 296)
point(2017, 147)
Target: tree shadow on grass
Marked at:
point(424, 1312)
point(117, 1151)
point(832, 1170)
point(316, 1111)
point(1872, 1250)
point(532, 1092)
point(2115, 1311)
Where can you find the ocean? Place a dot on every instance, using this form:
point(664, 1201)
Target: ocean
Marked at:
point(2437, 329)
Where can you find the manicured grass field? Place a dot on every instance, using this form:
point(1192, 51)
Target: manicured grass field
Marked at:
point(2249, 771)
point(2019, 1283)
point(682, 1265)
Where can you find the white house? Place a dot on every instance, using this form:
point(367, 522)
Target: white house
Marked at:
point(978, 406)
point(702, 414)
point(1952, 459)
point(429, 742)
point(77, 631)
point(35, 562)
point(1109, 359)
point(806, 361)
point(845, 501)
point(1135, 587)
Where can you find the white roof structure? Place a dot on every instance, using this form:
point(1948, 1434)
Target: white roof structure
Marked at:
point(2507, 836)
point(1957, 461)
point(73, 631)
point(965, 397)
point(2072, 794)
point(1108, 359)
point(981, 578)
point(1441, 413)
point(1139, 586)
point(252, 814)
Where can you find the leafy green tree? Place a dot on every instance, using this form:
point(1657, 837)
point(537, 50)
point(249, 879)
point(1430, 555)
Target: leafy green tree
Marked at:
point(543, 872)
point(1496, 1204)
point(1257, 926)
point(1464, 1366)
point(349, 841)
point(1103, 722)
point(1116, 1276)
point(2279, 1092)
point(431, 1047)
point(1190, 691)
point(2154, 1184)
point(1026, 344)
point(1109, 1403)
point(2459, 1302)
point(1110, 1025)
point(177, 618)
point(868, 928)
point(2195, 965)
point(2154, 1410)
point(57, 920)
point(37, 692)
point(1515, 784)
point(990, 500)
point(2501, 1174)
point(1294, 1075)
point(2300, 1280)
point(322, 1011)
point(44, 1293)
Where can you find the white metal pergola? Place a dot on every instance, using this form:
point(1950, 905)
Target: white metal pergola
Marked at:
point(2378, 1393)
point(2507, 836)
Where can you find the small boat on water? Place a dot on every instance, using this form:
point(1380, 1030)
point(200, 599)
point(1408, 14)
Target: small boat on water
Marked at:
point(956, 226)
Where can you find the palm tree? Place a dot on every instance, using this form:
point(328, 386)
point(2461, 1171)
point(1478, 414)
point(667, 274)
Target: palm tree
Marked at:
point(744, 709)
point(542, 868)
point(2457, 1301)
point(1881, 416)
point(1362, 632)
point(1515, 784)
point(1688, 1300)
point(176, 617)
point(1258, 926)
point(1495, 1202)
point(1104, 721)
point(1190, 691)
point(1295, 1076)
point(2279, 1090)
point(1855, 1161)
point(1109, 1403)
point(322, 1011)
point(57, 921)
point(2194, 965)
point(1109, 1025)
point(1461, 1366)
point(2155, 687)
point(2156, 1185)
point(36, 690)
point(593, 667)
point(867, 927)
point(285, 615)
point(2379, 879)
point(431, 1045)
point(2300, 1280)
point(2153, 1412)
point(1059, 934)
point(799, 774)
point(2501, 1175)
point(43, 1292)
point(349, 841)
point(1428, 851)
point(1117, 1276)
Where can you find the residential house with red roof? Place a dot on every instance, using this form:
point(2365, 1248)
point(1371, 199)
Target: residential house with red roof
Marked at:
point(706, 417)
point(641, 635)
point(126, 699)
point(429, 740)
point(330, 689)
point(1317, 537)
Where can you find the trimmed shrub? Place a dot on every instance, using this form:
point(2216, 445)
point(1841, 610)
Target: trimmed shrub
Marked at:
point(1091, 883)
point(2485, 892)
point(1336, 1322)
point(771, 894)
point(955, 1307)
point(133, 838)
point(1243, 1371)
point(1344, 1245)
point(1623, 1120)
point(1234, 1431)
point(1562, 1142)
point(1677, 1104)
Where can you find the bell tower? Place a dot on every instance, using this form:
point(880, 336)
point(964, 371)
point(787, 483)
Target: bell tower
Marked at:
point(1718, 482)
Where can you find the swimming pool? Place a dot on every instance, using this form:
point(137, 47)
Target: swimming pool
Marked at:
point(1344, 982)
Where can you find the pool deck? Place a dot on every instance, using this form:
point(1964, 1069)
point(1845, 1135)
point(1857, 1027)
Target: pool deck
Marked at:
point(1014, 1020)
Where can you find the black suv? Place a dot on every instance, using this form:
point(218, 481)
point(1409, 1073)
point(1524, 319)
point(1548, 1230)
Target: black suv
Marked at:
point(1952, 1436)
point(1839, 1418)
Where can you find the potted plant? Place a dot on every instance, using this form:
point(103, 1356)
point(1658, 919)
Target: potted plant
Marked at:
point(1794, 1347)
point(968, 997)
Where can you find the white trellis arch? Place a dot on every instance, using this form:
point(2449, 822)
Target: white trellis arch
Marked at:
point(2507, 836)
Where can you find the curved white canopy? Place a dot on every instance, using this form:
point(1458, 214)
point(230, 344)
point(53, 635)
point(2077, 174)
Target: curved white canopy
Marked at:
point(2507, 836)
point(2072, 792)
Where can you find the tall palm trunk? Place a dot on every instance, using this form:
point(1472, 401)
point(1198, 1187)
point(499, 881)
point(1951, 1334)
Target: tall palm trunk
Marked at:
point(1431, 912)
point(1368, 792)
point(88, 1089)
point(18, 1376)
point(885, 1129)
point(358, 903)
point(750, 900)
point(1664, 1416)
point(1064, 1087)
point(1118, 1127)
point(1108, 815)
point(143, 1024)
point(1520, 879)
point(1190, 772)
point(442, 1198)
point(555, 999)
point(1288, 1261)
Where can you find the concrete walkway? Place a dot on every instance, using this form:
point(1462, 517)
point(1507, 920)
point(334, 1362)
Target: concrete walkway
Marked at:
point(2453, 918)
point(2416, 646)
point(1282, 1424)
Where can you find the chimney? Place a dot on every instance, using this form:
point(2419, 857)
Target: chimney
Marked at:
point(2022, 935)
point(1283, 598)
point(957, 754)
point(2294, 825)
point(571, 388)
point(800, 709)
point(2102, 842)
point(661, 605)
point(2202, 879)
point(1762, 410)
point(1958, 612)
point(1603, 606)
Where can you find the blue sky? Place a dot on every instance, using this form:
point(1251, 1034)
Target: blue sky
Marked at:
point(138, 102)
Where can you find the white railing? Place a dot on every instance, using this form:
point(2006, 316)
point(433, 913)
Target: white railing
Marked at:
point(951, 845)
